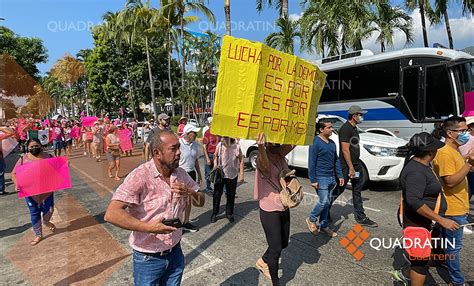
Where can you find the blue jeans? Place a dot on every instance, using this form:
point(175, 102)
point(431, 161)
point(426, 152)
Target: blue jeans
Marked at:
point(158, 270)
point(46, 208)
point(2, 175)
point(207, 170)
point(321, 209)
point(454, 238)
point(58, 144)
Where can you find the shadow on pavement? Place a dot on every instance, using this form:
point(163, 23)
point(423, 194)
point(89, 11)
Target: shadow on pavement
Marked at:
point(247, 277)
point(14, 230)
point(90, 271)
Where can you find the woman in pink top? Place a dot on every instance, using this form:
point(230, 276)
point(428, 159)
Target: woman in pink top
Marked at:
point(275, 218)
point(182, 122)
point(228, 156)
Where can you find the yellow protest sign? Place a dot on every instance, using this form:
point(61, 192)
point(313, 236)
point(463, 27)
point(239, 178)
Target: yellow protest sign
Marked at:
point(262, 89)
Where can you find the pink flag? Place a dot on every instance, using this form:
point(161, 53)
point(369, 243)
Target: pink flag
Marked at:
point(46, 122)
point(125, 140)
point(43, 176)
point(88, 121)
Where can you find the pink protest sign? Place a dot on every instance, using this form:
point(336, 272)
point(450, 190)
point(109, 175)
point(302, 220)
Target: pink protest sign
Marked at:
point(88, 121)
point(125, 140)
point(43, 176)
point(468, 104)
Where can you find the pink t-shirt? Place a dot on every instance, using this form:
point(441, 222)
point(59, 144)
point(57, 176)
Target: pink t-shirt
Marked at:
point(151, 198)
point(268, 197)
point(229, 159)
point(57, 133)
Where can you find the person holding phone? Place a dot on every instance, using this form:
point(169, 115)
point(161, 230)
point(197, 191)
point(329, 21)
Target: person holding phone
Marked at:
point(349, 153)
point(156, 194)
point(323, 170)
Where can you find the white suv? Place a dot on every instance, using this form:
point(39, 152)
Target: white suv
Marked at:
point(382, 159)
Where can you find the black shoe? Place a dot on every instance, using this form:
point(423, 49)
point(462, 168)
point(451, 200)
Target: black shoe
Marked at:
point(213, 218)
point(230, 218)
point(367, 222)
point(190, 227)
point(3, 193)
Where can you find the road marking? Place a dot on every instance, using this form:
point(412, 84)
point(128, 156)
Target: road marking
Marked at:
point(343, 203)
point(212, 260)
point(92, 179)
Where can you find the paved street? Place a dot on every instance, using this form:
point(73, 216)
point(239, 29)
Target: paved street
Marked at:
point(87, 251)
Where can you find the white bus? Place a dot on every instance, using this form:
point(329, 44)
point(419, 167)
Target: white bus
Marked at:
point(405, 91)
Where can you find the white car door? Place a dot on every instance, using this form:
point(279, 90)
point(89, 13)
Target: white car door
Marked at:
point(299, 156)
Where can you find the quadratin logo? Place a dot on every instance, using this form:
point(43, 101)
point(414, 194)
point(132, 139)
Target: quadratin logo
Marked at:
point(353, 240)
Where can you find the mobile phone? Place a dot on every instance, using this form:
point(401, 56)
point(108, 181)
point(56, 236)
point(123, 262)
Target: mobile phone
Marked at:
point(357, 175)
point(174, 222)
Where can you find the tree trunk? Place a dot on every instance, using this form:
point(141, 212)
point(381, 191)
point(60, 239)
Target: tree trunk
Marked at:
point(152, 84)
point(448, 29)
point(169, 73)
point(284, 8)
point(183, 60)
point(227, 16)
point(423, 22)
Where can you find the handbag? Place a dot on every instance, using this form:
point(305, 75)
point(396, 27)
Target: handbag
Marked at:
point(417, 240)
point(290, 189)
point(216, 176)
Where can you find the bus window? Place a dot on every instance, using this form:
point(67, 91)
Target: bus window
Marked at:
point(370, 81)
point(410, 88)
point(331, 89)
point(439, 98)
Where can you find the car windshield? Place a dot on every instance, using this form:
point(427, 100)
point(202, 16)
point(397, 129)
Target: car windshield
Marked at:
point(338, 122)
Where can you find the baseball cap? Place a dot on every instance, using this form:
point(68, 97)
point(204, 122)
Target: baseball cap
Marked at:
point(209, 119)
point(163, 116)
point(355, 109)
point(425, 142)
point(190, 128)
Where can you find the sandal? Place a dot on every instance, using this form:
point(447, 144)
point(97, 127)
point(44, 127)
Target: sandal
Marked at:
point(117, 178)
point(110, 175)
point(36, 240)
point(51, 226)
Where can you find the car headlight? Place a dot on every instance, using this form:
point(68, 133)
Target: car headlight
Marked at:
point(380, 151)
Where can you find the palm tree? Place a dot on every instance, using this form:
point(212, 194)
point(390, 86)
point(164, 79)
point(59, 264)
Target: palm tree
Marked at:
point(284, 39)
point(441, 11)
point(281, 5)
point(425, 7)
point(180, 7)
point(386, 19)
point(140, 20)
point(227, 16)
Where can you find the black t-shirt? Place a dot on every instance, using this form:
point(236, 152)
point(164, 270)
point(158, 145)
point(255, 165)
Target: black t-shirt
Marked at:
point(349, 134)
point(419, 186)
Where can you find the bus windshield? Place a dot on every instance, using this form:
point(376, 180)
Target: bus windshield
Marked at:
point(465, 73)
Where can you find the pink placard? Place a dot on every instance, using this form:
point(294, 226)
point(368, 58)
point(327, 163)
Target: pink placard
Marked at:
point(88, 121)
point(468, 104)
point(125, 140)
point(43, 176)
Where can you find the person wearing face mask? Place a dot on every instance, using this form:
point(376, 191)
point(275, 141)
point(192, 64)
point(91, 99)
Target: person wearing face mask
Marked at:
point(38, 204)
point(275, 218)
point(351, 165)
point(452, 168)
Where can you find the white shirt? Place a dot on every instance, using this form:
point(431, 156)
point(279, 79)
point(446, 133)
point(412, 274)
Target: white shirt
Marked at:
point(189, 154)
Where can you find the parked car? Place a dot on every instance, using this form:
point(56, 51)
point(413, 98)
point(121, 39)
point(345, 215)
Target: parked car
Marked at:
point(381, 158)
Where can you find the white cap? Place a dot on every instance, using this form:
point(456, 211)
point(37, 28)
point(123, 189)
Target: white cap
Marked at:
point(190, 128)
point(469, 120)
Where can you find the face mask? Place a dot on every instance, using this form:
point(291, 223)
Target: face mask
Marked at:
point(35, 151)
point(463, 138)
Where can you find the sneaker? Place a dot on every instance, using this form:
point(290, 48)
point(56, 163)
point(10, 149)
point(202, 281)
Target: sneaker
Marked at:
point(263, 267)
point(328, 231)
point(367, 222)
point(3, 193)
point(466, 230)
point(230, 218)
point(397, 275)
point(190, 227)
point(213, 218)
point(313, 228)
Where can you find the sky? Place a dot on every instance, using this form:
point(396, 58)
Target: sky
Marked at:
point(64, 25)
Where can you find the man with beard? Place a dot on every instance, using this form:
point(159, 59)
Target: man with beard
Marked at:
point(155, 191)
